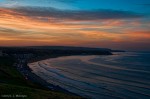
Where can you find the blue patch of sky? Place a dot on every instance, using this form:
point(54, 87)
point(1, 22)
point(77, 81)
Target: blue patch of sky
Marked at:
point(125, 5)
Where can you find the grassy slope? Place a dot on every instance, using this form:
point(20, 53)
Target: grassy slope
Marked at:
point(13, 83)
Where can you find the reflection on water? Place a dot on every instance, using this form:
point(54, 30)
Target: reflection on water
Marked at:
point(122, 75)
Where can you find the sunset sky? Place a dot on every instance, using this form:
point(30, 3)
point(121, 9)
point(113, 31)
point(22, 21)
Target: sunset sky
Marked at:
point(116, 24)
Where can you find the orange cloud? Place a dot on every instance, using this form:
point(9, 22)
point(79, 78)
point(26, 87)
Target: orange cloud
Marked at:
point(17, 29)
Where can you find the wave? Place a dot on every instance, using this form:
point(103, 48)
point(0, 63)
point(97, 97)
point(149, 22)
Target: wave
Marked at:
point(89, 76)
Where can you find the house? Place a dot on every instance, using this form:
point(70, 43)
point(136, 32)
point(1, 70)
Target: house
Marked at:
point(1, 53)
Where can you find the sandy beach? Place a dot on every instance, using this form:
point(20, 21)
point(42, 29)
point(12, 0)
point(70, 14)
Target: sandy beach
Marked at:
point(23, 67)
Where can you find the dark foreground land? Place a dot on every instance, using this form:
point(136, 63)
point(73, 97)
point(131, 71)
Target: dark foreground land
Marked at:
point(17, 80)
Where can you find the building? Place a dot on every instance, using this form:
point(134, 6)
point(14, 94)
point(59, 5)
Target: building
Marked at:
point(1, 53)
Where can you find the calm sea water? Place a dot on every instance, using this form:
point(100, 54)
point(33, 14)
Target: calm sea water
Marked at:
point(119, 76)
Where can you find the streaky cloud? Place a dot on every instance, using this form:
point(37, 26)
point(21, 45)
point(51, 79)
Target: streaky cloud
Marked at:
point(145, 4)
point(67, 1)
point(98, 14)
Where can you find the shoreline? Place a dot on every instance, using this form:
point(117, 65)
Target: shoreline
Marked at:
point(26, 71)
point(23, 56)
point(41, 82)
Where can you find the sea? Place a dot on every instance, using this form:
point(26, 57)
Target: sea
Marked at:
point(123, 75)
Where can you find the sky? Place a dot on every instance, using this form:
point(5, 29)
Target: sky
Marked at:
point(115, 24)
